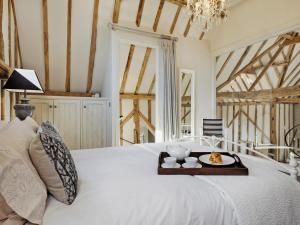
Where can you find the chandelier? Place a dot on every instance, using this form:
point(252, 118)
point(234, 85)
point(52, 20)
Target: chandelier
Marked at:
point(207, 13)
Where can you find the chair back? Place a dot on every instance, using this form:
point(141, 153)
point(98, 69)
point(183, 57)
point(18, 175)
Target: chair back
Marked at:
point(213, 127)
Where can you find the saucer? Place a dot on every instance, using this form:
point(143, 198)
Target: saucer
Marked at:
point(164, 165)
point(185, 165)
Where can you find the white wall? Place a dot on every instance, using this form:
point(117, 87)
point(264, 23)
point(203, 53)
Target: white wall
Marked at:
point(195, 55)
point(253, 20)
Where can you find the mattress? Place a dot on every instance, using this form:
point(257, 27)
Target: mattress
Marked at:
point(120, 186)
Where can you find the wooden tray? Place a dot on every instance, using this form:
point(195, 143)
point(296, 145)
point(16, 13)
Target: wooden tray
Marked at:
point(237, 169)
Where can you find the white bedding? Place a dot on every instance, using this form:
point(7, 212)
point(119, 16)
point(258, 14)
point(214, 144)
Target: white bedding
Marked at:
point(120, 186)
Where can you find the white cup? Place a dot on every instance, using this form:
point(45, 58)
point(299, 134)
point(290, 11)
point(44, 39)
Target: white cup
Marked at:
point(170, 161)
point(191, 161)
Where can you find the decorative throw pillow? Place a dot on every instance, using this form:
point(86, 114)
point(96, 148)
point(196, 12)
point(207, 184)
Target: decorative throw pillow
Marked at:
point(23, 193)
point(55, 165)
point(49, 129)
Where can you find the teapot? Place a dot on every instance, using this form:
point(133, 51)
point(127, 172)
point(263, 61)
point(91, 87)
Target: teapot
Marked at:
point(178, 151)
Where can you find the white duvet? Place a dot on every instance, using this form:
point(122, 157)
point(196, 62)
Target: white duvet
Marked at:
point(120, 186)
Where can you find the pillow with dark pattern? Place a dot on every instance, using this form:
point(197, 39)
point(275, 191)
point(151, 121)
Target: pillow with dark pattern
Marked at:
point(54, 163)
point(49, 129)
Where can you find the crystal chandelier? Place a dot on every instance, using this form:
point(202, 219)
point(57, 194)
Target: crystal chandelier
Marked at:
point(207, 13)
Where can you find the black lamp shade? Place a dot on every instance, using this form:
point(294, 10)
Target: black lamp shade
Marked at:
point(21, 80)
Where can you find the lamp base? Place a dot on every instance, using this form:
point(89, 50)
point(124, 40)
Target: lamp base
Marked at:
point(23, 110)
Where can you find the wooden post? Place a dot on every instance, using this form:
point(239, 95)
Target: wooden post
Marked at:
point(46, 43)
point(121, 127)
point(273, 131)
point(136, 119)
point(239, 126)
point(69, 47)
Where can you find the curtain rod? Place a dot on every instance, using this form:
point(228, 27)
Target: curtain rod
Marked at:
point(136, 31)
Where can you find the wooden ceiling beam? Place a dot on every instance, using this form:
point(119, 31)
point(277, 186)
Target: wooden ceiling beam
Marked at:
point(18, 47)
point(116, 12)
point(46, 42)
point(127, 68)
point(69, 47)
point(178, 2)
point(294, 40)
point(140, 13)
point(158, 14)
point(143, 69)
point(175, 19)
point(265, 69)
point(250, 64)
point(93, 46)
point(188, 27)
point(201, 35)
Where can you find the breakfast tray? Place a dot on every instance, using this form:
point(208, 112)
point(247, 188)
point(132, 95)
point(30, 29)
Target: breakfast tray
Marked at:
point(236, 169)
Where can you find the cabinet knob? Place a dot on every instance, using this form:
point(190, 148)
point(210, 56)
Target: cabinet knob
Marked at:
point(50, 106)
point(55, 106)
point(84, 107)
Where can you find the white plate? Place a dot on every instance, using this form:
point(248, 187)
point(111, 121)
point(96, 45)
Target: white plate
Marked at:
point(185, 165)
point(227, 160)
point(164, 165)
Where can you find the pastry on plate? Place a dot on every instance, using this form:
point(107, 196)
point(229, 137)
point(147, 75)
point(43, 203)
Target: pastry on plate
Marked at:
point(216, 157)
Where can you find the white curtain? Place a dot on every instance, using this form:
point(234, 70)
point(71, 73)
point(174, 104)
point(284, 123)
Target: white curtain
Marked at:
point(169, 93)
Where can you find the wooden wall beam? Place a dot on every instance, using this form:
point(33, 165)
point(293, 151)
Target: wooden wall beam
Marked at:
point(62, 93)
point(93, 47)
point(143, 69)
point(285, 68)
point(2, 97)
point(269, 94)
point(158, 14)
point(152, 85)
point(140, 13)
point(136, 119)
point(150, 126)
point(224, 64)
point(127, 118)
point(69, 47)
point(46, 42)
point(116, 12)
point(273, 128)
point(175, 19)
point(127, 68)
point(137, 96)
point(254, 124)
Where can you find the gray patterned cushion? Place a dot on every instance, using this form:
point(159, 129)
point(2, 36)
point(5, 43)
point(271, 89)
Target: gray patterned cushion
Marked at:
point(49, 129)
point(55, 165)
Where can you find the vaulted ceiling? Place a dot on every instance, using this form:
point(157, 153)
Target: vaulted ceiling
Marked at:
point(66, 41)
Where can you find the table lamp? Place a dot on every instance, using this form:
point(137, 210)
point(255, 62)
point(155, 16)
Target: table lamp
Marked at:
point(23, 81)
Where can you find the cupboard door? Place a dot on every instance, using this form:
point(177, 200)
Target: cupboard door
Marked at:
point(94, 124)
point(43, 110)
point(67, 120)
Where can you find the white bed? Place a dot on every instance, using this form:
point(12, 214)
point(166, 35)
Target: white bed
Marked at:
point(120, 186)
